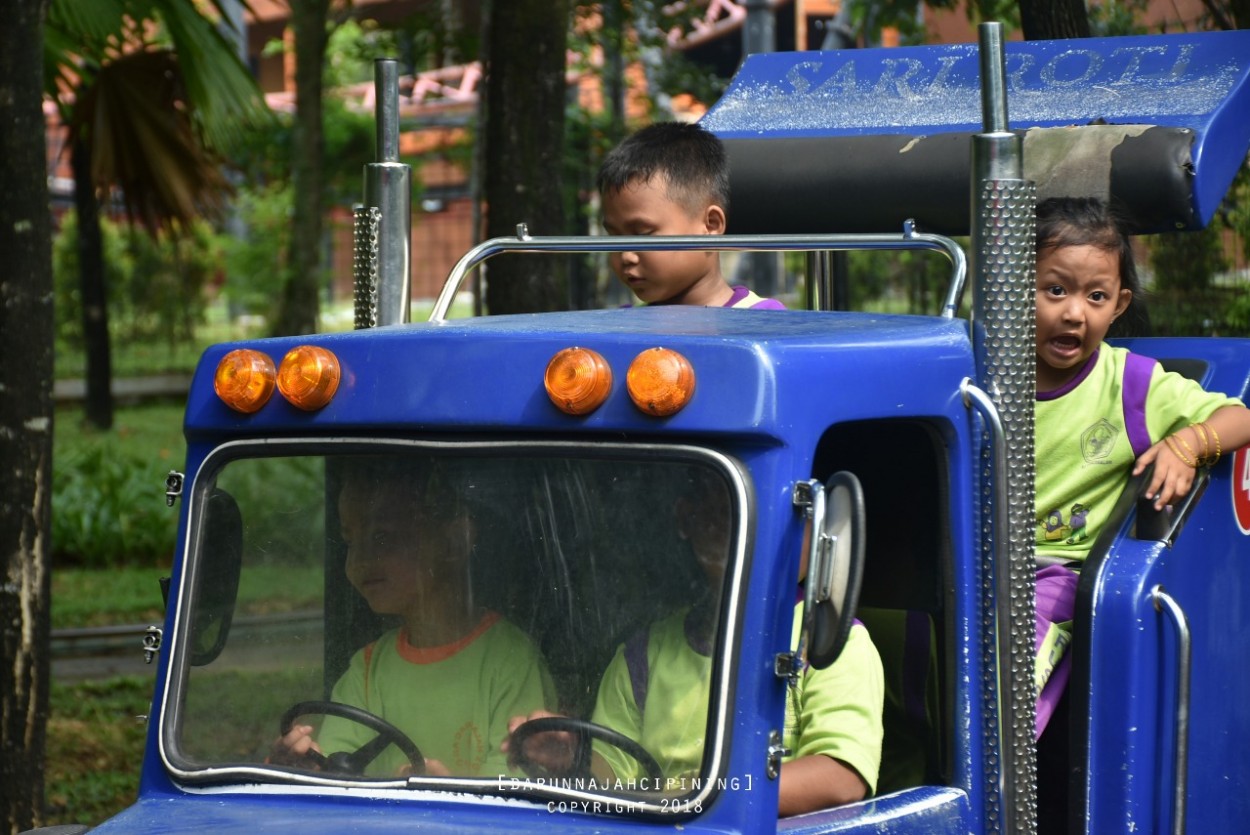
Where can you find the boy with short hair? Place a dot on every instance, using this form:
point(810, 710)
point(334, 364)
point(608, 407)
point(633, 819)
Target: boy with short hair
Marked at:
point(671, 178)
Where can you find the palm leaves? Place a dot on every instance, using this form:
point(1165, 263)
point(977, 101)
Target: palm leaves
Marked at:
point(154, 94)
point(158, 94)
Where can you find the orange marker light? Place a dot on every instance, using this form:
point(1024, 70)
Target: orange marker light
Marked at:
point(660, 381)
point(308, 377)
point(244, 380)
point(578, 380)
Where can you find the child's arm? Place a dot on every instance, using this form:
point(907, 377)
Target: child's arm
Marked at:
point(817, 782)
point(837, 715)
point(1177, 456)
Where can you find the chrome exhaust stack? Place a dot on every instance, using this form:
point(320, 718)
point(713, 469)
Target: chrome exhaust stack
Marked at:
point(382, 254)
point(1003, 327)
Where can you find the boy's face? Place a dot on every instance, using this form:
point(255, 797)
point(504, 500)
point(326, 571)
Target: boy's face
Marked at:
point(644, 208)
point(394, 551)
point(1078, 297)
point(704, 522)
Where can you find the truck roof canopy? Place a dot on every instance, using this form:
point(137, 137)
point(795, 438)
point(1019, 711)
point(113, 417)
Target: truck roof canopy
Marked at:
point(861, 140)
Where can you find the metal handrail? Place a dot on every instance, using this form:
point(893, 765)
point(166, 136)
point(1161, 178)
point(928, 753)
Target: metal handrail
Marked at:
point(909, 238)
point(1164, 602)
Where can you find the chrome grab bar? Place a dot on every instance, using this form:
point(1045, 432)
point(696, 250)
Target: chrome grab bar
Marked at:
point(998, 562)
point(1164, 602)
point(523, 242)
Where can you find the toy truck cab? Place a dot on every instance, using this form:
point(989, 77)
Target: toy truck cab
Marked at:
point(426, 477)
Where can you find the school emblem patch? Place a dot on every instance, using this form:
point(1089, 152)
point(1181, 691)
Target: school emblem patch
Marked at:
point(1097, 442)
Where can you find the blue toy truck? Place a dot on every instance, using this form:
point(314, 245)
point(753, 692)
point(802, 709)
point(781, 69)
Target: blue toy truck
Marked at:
point(899, 445)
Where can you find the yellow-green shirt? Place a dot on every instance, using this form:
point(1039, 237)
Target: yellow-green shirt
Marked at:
point(1082, 447)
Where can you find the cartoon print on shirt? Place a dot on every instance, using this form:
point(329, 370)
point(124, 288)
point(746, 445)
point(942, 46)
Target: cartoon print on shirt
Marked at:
point(1098, 440)
point(1054, 525)
point(1072, 531)
point(1076, 523)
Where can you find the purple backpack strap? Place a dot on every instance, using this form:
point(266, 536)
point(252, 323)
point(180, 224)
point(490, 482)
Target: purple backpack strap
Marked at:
point(1137, 373)
point(636, 664)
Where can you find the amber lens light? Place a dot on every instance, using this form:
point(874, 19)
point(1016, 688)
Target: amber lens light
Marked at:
point(578, 380)
point(308, 377)
point(660, 381)
point(244, 380)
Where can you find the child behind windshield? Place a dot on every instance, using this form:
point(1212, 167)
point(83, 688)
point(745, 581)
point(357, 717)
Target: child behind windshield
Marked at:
point(655, 691)
point(671, 178)
point(453, 672)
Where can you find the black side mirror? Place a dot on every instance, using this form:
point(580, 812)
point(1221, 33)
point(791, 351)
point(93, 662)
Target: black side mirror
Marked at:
point(220, 562)
point(835, 568)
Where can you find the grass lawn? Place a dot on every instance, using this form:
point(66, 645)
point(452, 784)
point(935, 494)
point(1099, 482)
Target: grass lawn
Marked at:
point(96, 735)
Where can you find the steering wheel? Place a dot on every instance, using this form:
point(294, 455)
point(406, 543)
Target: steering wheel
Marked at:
point(355, 763)
point(585, 731)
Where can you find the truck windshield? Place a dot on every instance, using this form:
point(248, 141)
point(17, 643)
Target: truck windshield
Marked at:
point(381, 615)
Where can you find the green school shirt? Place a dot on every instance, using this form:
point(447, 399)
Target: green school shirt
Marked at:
point(835, 711)
point(453, 701)
point(1084, 456)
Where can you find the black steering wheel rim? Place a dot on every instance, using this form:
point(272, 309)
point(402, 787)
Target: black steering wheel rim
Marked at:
point(585, 731)
point(355, 762)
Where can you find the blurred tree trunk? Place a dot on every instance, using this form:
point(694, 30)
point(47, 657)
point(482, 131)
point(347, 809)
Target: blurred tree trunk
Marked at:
point(98, 406)
point(1053, 19)
point(299, 305)
point(526, 94)
point(26, 328)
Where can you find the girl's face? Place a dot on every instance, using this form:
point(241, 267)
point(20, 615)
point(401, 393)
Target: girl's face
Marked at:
point(1078, 297)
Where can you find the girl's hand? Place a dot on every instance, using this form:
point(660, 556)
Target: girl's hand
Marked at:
point(1171, 479)
point(293, 749)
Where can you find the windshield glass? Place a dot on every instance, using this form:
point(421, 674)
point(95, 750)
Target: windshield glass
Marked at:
point(386, 616)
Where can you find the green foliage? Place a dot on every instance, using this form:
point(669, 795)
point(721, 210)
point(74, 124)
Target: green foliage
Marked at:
point(118, 594)
point(1191, 293)
point(1112, 18)
point(256, 261)
point(157, 285)
point(108, 497)
point(349, 139)
point(1187, 260)
point(96, 734)
point(1235, 211)
point(65, 274)
point(108, 510)
point(1237, 315)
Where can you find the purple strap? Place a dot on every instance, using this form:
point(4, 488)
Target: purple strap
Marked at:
point(1137, 373)
point(636, 664)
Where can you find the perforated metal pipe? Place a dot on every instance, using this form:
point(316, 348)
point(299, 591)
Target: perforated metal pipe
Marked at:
point(382, 258)
point(1004, 323)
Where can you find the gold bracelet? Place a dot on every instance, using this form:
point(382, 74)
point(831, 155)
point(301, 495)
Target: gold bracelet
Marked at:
point(1217, 441)
point(1200, 434)
point(1177, 452)
point(1193, 455)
